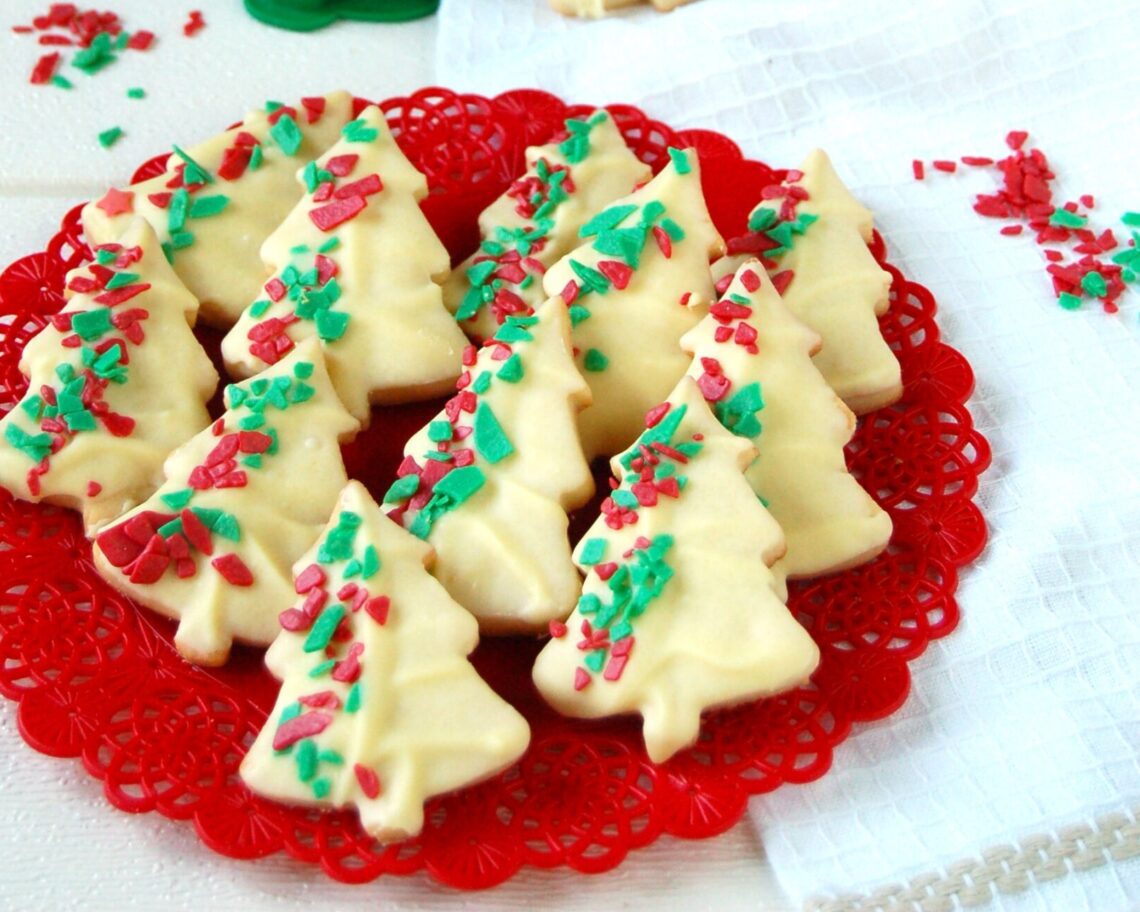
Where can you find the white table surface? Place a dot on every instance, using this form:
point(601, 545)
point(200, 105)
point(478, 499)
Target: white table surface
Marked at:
point(62, 846)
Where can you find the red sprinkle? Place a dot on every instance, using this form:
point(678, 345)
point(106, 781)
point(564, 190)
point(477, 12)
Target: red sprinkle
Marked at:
point(1015, 139)
point(976, 161)
point(1011, 230)
point(337, 213)
point(948, 166)
point(369, 781)
point(194, 24)
point(94, 489)
point(233, 570)
point(305, 726)
point(44, 69)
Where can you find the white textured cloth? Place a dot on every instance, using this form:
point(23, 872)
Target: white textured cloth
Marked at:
point(1027, 719)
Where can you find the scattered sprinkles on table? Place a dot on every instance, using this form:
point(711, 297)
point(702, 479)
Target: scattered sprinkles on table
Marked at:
point(98, 37)
point(194, 24)
point(1080, 258)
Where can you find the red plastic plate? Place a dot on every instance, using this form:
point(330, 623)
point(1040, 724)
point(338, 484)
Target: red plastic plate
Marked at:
point(96, 676)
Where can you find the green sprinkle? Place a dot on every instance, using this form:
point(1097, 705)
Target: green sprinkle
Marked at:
point(204, 206)
point(36, 447)
point(761, 219)
point(322, 669)
point(595, 361)
point(675, 232)
point(91, 324)
point(352, 568)
point(680, 160)
point(331, 244)
point(321, 788)
point(62, 82)
point(480, 272)
point(194, 172)
point(592, 552)
point(512, 370)
point(252, 461)
point(177, 211)
point(181, 239)
point(1063, 218)
point(258, 308)
point(1069, 301)
point(226, 525)
point(591, 279)
point(331, 325)
point(460, 484)
point(359, 131)
point(177, 500)
point(578, 314)
point(303, 370)
point(1094, 284)
point(136, 92)
point(370, 563)
point(402, 489)
point(606, 219)
point(352, 701)
point(490, 440)
point(482, 383)
point(96, 55)
point(287, 134)
point(121, 279)
point(255, 158)
point(324, 627)
point(439, 431)
point(1131, 219)
point(306, 758)
point(109, 137)
point(32, 406)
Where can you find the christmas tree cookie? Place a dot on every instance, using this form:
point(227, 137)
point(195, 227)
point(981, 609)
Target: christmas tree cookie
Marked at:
point(597, 8)
point(812, 236)
point(536, 221)
point(639, 283)
point(680, 610)
point(218, 200)
point(241, 502)
point(353, 265)
point(116, 381)
point(379, 707)
point(488, 482)
point(752, 361)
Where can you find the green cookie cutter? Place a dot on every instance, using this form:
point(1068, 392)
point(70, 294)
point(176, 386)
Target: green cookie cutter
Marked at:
point(310, 15)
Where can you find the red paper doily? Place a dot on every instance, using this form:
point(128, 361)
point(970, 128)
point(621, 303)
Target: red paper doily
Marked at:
point(96, 677)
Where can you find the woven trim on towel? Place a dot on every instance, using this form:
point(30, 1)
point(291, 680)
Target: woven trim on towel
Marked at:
point(1004, 868)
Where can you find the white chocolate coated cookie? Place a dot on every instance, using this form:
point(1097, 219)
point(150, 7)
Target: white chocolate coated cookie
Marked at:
point(218, 200)
point(241, 502)
point(116, 381)
point(752, 361)
point(536, 221)
point(639, 282)
point(598, 8)
point(379, 707)
point(836, 287)
point(680, 610)
point(354, 265)
point(488, 481)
